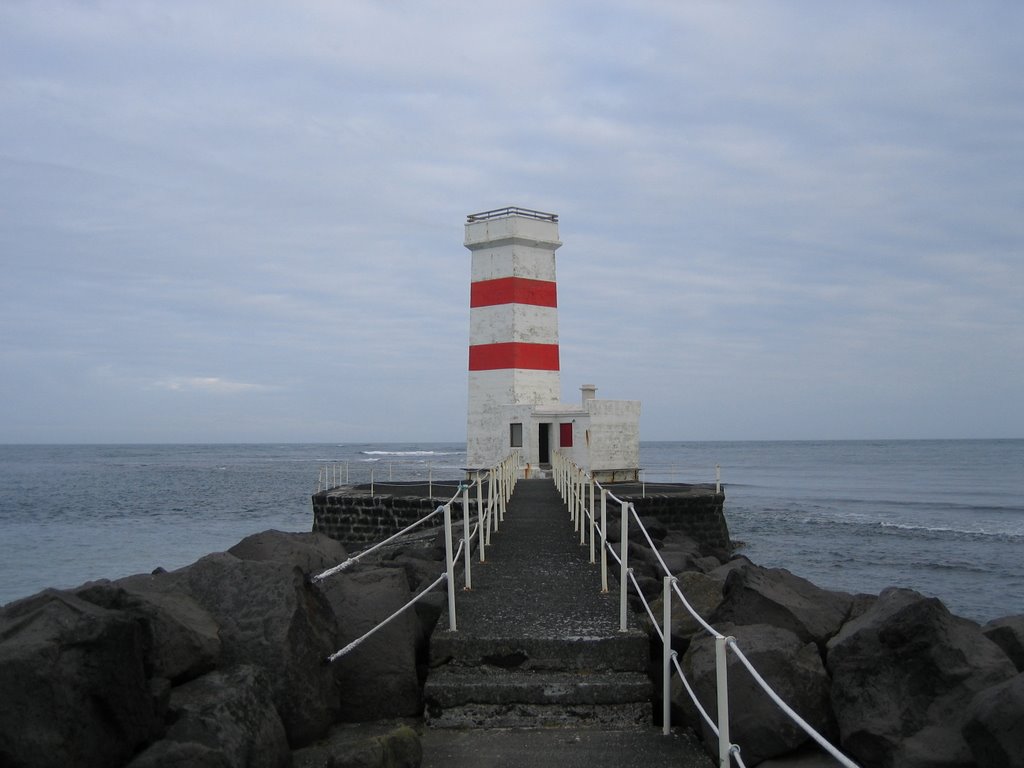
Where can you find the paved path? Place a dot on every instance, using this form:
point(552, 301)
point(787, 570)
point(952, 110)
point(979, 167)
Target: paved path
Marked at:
point(538, 580)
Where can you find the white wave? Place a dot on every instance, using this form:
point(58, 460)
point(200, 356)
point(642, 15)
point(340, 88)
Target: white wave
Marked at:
point(410, 453)
point(980, 532)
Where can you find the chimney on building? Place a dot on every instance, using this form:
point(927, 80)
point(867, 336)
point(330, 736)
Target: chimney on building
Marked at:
point(589, 392)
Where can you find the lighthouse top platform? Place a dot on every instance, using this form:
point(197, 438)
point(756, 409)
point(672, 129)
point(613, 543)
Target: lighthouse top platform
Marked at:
point(508, 212)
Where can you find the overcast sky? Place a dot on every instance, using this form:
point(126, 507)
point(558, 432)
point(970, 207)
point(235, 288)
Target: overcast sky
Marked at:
point(243, 221)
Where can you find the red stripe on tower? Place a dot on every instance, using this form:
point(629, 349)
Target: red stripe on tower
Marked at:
point(513, 354)
point(513, 290)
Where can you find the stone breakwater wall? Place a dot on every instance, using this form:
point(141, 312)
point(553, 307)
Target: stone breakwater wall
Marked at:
point(698, 511)
point(356, 517)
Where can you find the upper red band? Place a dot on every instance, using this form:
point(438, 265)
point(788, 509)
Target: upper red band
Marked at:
point(513, 290)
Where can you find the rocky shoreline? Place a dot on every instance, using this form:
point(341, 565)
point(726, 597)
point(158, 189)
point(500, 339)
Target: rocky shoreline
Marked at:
point(222, 663)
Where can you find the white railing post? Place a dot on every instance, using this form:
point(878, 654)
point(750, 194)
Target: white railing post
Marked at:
point(604, 540)
point(718, 478)
point(572, 497)
point(449, 565)
point(468, 554)
point(371, 481)
point(593, 520)
point(721, 665)
point(623, 566)
point(583, 507)
point(430, 482)
point(666, 656)
point(492, 496)
point(480, 530)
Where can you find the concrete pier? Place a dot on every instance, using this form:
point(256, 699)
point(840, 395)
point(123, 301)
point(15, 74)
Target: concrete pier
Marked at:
point(538, 672)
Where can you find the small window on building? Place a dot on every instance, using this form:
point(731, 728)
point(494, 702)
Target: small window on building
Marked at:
point(565, 435)
point(515, 435)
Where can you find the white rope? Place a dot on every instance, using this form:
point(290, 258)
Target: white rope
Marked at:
point(734, 749)
point(365, 552)
point(354, 559)
point(693, 695)
point(822, 741)
point(355, 643)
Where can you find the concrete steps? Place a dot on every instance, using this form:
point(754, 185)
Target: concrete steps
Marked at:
point(537, 644)
point(558, 690)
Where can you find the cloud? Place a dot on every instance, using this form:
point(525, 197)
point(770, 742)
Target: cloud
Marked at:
point(755, 200)
point(210, 384)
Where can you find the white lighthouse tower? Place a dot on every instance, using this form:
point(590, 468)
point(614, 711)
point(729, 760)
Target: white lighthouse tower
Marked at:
point(514, 379)
point(513, 325)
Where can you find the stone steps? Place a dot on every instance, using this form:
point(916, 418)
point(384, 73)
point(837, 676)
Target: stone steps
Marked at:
point(457, 686)
point(537, 644)
point(622, 652)
point(524, 681)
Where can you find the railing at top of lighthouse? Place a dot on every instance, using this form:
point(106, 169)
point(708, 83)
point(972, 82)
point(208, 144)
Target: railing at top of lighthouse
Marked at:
point(511, 210)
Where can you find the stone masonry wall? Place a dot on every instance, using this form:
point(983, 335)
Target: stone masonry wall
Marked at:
point(358, 519)
point(699, 514)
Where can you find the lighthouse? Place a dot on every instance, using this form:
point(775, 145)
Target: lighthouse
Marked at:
point(514, 398)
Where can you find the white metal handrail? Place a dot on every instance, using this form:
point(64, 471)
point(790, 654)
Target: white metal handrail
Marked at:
point(570, 479)
point(378, 474)
point(501, 481)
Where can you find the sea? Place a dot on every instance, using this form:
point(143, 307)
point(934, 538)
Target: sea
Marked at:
point(943, 517)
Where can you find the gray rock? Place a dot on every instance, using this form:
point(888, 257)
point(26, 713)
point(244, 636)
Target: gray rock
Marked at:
point(790, 665)
point(708, 563)
point(703, 593)
point(313, 553)
point(364, 746)
point(721, 573)
point(1008, 634)
point(231, 713)
point(420, 572)
point(271, 617)
point(73, 689)
point(774, 596)
point(679, 560)
point(183, 639)
point(902, 673)
point(805, 757)
point(177, 754)
point(995, 725)
point(378, 678)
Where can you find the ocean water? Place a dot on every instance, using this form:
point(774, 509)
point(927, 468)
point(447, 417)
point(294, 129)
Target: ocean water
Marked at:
point(944, 517)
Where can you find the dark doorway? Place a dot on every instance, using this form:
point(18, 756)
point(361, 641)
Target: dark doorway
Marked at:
point(544, 443)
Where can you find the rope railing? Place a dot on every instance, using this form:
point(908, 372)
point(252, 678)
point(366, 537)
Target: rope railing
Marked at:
point(380, 474)
point(500, 480)
point(571, 480)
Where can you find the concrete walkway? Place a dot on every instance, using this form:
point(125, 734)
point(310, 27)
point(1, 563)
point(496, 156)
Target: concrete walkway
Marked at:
point(538, 591)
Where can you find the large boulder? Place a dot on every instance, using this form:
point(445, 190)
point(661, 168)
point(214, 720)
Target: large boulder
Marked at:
point(995, 725)
point(774, 596)
point(790, 665)
point(378, 677)
point(703, 593)
point(271, 617)
point(902, 673)
point(312, 553)
point(73, 688)
point(183, 639)
point(363, 746)
point(225, 718)
point(1008, 634)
